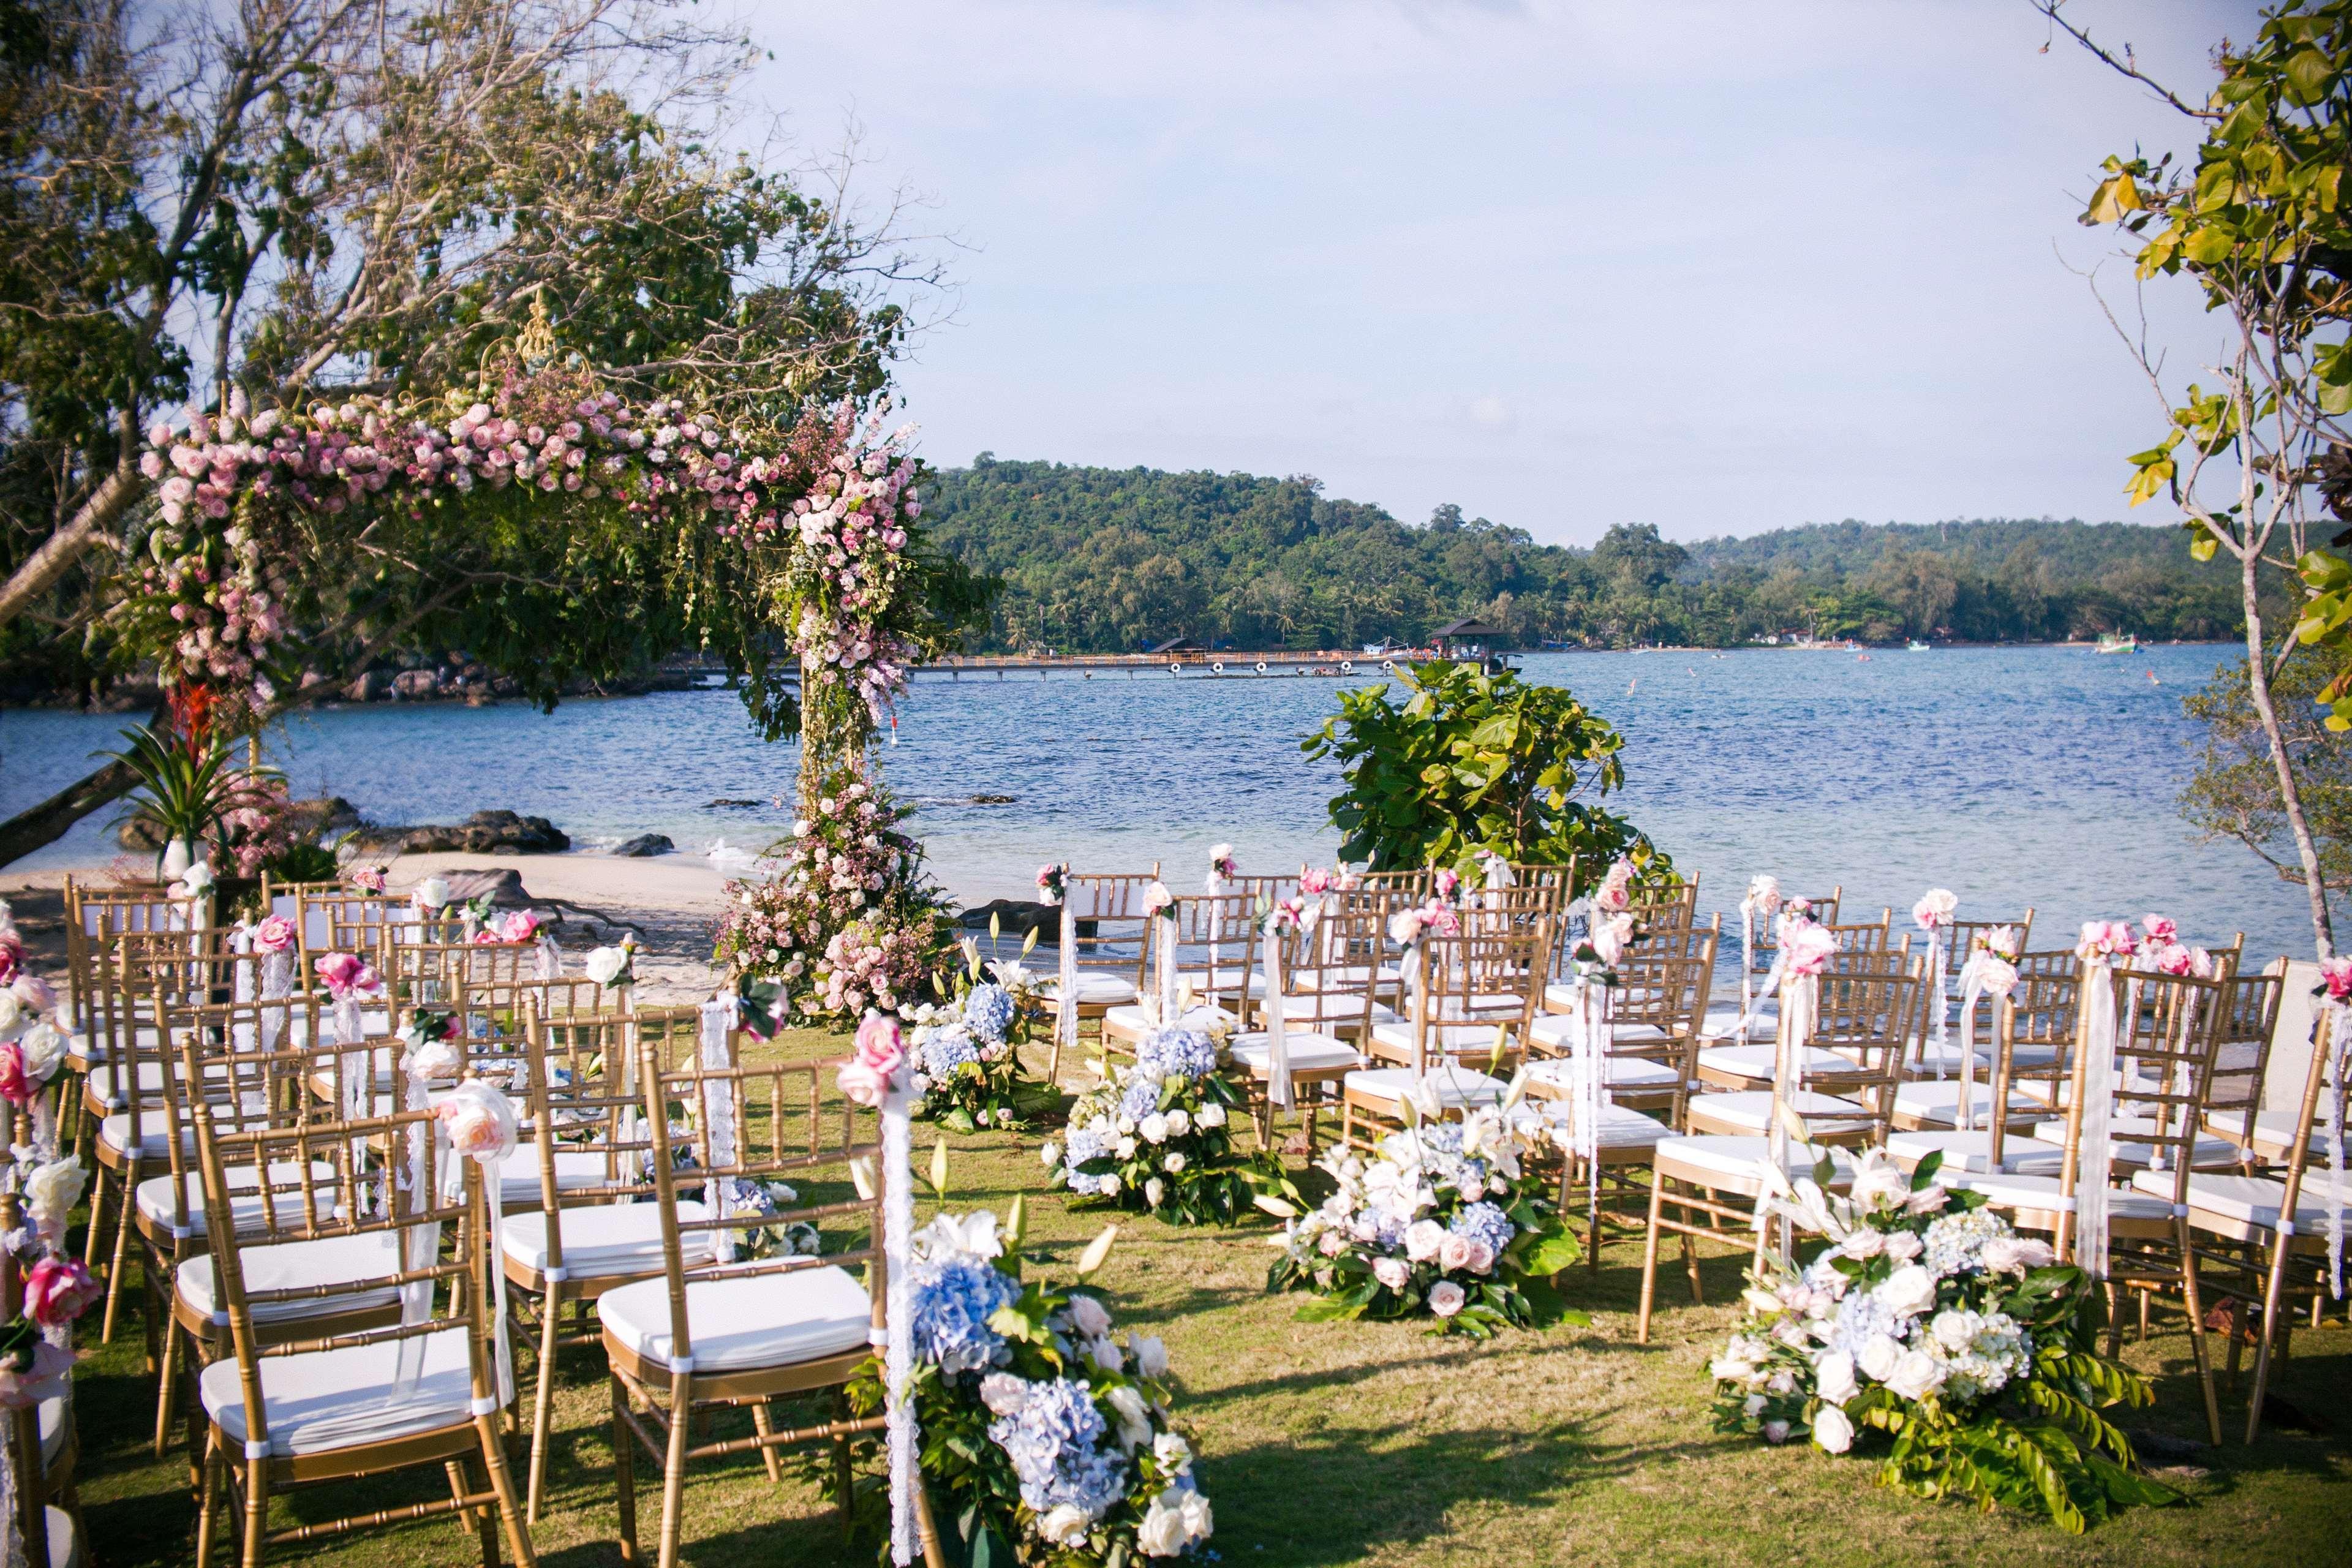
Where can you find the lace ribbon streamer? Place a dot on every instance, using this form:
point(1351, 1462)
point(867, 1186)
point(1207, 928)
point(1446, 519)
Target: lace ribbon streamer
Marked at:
point(1277, 1043)
point(899, 1352)
point(719, 1114)
point(2095, 1155)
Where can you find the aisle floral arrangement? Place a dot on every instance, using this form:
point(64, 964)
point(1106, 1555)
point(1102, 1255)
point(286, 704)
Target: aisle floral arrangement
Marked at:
point(1927, 1319)
point(966, 1051)
point(1047, 1440)
point(1445, 1222)
point(1157, 1134)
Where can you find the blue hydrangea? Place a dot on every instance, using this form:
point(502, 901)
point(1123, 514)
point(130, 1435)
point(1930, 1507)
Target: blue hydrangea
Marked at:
point(1085, 1144)
point(953, 1299)
point(988, 1012)
point(1057, 1442)
point(948, 1048)
point(1141, 1097)
point(1177, 1053)
point(1860, 1314)
point(1486, 1223)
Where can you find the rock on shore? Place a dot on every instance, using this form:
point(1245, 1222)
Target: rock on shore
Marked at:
point(484, 832)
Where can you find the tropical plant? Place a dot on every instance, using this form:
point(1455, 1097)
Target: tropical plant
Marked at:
point(186, 785)
point(1475, 763)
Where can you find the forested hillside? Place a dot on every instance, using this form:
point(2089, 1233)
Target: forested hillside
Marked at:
point(1114, 560)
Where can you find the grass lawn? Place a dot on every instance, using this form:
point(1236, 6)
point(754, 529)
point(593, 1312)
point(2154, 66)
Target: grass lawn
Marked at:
point(1367, 1443)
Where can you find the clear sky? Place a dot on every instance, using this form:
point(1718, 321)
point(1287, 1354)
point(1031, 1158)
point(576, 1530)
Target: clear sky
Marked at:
point(1720, 267)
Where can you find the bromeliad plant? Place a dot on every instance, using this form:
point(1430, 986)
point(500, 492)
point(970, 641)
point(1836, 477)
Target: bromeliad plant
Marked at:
point(1445, 1221)
point(1927, 1319)
point(967, 1050)
point(1047, 1440)
point(1157, 1134)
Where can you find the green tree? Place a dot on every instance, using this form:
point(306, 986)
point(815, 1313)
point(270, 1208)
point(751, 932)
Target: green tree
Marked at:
point(1472, 763)
point(2234, 791)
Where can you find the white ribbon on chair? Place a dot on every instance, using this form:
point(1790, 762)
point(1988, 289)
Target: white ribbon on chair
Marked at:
point(547, 958)
point(1763, 898)
point(1589, 1032)
point(1163, 965)
point(1933, 914)
point(2339, 1055)
point(1801, 1004)
point(422, 1064)
point(1986, 974)
point(1065, 1012)
point(717, 1022)
point(899, 1351)
point(1278, 1091)
point(2095, 1153)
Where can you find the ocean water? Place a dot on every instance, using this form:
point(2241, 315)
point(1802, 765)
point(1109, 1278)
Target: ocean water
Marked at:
point(2015, 776)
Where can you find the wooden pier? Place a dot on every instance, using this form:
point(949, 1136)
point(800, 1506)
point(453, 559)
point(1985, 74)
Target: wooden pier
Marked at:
point(1329, 664)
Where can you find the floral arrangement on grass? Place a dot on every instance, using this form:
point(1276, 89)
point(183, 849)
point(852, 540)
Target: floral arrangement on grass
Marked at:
point(966, 1051)
point(1445, 1221)
point(1928, 1320)
point(1048, 1439)
point(1157, 1134)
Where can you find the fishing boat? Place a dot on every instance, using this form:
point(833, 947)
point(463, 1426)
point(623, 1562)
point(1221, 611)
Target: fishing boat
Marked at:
point(1917, 646)
point(2119, 642)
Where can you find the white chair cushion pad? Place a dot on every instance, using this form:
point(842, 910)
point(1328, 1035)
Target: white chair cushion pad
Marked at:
point(606, 1238)
point(2248, 1200)
point(155, 1129)
point(1132, 1018)
point(2208, 1153)
point(1742, 1159)
point(1093, 989)
point(1309, 1052)
point(1454, 1039)
point(1335, 1007)
point(1756, 1061)
point(761, 1321)
point(1551, 1029)
point(1619, 1128)
point(1752, 1108)
point(332, 1259)
point(1929, 1100)
point(323, 1400)
point(1454, 1086)
point(154, 1195)
point(1624, 1072)
point(1972, 1152)
point(2042, 1193)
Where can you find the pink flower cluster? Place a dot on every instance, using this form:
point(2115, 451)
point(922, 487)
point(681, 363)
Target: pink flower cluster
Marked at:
point(512, 929)
point(877, 964)
point(2336, 975)
point(881, 1047)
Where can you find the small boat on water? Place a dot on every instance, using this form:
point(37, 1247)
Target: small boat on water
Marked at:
point(2119, 642)
point(1919, 647)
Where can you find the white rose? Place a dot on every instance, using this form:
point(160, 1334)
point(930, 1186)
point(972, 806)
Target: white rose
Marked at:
point(1199, 1522)
point(1833, 1380)
point(1775, 1432)
point(1004, 1394)
point(1109, 1184)
point(605, 964)
point(1126, 1124)
point(1878, 1355)
point(2016, 1255)
point(1864, 1243)
point(1422, 1239)
point(1832, 1432)
point(1446, 1298)
point(1162, 1533)
point(1174, 1454)
point(1134, 1417)
point(1151, 1355)
point(1051, 1153)
point(11, 1011)
point(1392, 1272)
point(1917, 1375)
point(1154, 1189)
point(1928, 1199)
point(1127, 1148)
point(1877, 1180)
point(1173, 1163)
point(44, 1046)
point(1953, 1331)
point(1179, 1123)
point(1104, 1354)
point(1089, 1317)
point(1908, 1291)
point(1211, 1116)
point(1903, 1245)
point(1154, 1128)
point(50, 1194)
point(431, 893)
point(1065, 1525)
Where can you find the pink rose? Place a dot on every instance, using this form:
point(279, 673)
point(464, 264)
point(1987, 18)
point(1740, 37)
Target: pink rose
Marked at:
point(1482, 1258)
point(274, 934)
point(480, 1120)
point(1315, 881)
point(16, 1086)
point(33, 1373)
point(366, 878)
point(1453, 1252)
point(880, 1045)
point(863, 1085)
point(33, 992)
point(2160, 929)
point(12, 955)
point(1392, 1272)
point(1446, 1298)
point(2337, 972)
point(346, 973)
point(1807, 948)
point(58, 1290)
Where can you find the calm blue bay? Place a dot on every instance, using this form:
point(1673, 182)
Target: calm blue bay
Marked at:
point(2044, 776)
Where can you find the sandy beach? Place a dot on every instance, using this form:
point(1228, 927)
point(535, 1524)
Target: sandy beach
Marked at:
point(670, 900)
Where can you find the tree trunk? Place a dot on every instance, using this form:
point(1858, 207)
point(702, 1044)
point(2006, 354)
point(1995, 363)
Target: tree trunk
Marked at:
point(2258, 682)
point(47, 823)
point(65, 546)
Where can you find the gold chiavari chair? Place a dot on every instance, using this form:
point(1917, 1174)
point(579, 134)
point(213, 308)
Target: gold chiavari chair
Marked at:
point(589, 1224)
point(1456, 1036)
point(323, 1411)
point(1323, 1022)
point(1213, 943)
point(1413, 886)
point(2242, 1070)
point(42, 1443)
point(1749, 1066)
point(2167, 1028)
point(1756, 960)
point(1105, 917)
point(333, 918)
point(1654, 1014)
point(1665, 906)
point(1702, 1182)
point(1960, 941)
point(741, 1330)
point(2033, 1033)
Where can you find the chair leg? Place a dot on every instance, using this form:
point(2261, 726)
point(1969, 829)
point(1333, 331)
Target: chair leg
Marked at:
point(470, 1520)
point(767, 1428)
point(543, 1404)
point(122, 1228)
point(2273, 1319)
point(257, 1510)
point(494, 1460)
point(92, 1239)
point(843, 1478)
point(1649, 1260)
point(681, 1425)
point(208, 1510)
point(167, 1380)
point(624, 1468)
point(2197, 1330)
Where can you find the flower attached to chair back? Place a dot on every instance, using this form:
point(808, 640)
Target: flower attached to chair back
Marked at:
point(2161, 929)
point(60, 1289)
point(347, 974)
point(12, 954)
point(1315, 881)
point(193, 883)
point(1284, 915)
point(516, 928)
point(1806, 948)
point(1616, 889)
point(1052, 882)
point(16, 1085)
point(613, 965)
point(1763, 897)
point(32, 1370)
point(435, 1046)
point(33, 992)
point(1445, 883)
point(1158, 900)
point(480, 1121)
point(1223, 867)
point(2335, 979)
point(2001, 941)
point(1927, 1315)
point(1407, 927)
point(2105, 941)
point(44, 1045)
point(880, 1048)
point(51, 1190)
point(366, 878)
point(430, 895)
point(2171, 958)
point(276, 934)
point(1934, 908)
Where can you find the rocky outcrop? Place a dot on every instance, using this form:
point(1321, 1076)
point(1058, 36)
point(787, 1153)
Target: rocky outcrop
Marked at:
point(1016, 917)
point(645, 845)
point(484, 832)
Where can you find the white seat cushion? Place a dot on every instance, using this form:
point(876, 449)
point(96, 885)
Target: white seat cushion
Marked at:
point(1221, 979)
point(2274, 1131)
point(1738, 1159)
point(64, 1541)
point(606, 1239)
point(1308, 1052)
point(1722, 1016)
point(1624, 1072)
point(1551, 1030)
point(154, 1196)
point(1467, 1040)
point(1947, 1058)
point(518, 1179)
point(1132, 1020)
point(2210, 1153)
point(319, 1401)
point(2042, 1193)
point(1939, 1104)
point(1618, 1128)
point(155, 1132)
point(1335, 1008)
point(55, 1429)
point(1093, 989)
point(765, 1319)
point(1750, 1110)
point(1756, 1061)
point(328, 1261)
point(1452, 1086)
point(2244, 1200)
point(1966, 1152)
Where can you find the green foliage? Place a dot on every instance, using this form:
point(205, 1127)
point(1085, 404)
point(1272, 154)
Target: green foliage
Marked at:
point(2234, 791)
point(185, 785)
point(1106, 560)
point(1472, 763)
